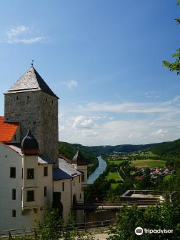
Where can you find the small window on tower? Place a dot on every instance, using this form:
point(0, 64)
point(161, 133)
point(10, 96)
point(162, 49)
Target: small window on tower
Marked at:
point(17, 98)
point(82, 177)
point(30, 173)
point(45, 171)
point(63, 186)
point(52, 101)
point(27, 97)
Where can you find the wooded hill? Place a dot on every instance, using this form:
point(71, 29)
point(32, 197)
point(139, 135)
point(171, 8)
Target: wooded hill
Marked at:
point(69, 149)
point(171, 149)
point(167, 149)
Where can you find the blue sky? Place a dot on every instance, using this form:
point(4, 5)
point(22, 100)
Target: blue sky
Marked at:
point(103, 58)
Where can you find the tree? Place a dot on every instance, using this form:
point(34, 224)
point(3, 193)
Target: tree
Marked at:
point(174, 66)
point(50, 228)
point(162, 217)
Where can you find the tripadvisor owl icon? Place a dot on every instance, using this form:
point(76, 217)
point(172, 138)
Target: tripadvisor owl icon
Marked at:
point(138, 231)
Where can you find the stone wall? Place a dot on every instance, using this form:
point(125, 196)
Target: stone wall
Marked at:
point(39, 111)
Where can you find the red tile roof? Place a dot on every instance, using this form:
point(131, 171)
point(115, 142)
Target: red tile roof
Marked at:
point(7, 130)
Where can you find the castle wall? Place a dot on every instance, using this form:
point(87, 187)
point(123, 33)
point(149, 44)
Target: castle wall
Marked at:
point(39, 111)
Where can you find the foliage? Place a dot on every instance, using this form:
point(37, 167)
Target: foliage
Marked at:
point(174, 66)
point(55, 228)
point(164, 216)
point(51, 227)
point(168, 149)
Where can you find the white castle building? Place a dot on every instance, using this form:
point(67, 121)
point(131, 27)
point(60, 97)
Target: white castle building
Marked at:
point(32, 173)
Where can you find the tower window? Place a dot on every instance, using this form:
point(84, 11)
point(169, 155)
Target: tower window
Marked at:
point(82, 177)
point(45, 171)
point(27, 97)
point(30, 173)
point(12, 172)
point(45, 191)
point(17, 98)
point(13, 194)
point(13, 213)
point(30, 196)
point(52, 101)
point(63, 186)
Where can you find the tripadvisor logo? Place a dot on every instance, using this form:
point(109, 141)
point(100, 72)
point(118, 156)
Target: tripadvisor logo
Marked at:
point(138, 231)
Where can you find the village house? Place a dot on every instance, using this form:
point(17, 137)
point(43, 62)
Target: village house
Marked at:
point(32, 173)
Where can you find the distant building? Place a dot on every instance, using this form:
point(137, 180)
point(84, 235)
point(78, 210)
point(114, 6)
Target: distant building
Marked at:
point(32, 174)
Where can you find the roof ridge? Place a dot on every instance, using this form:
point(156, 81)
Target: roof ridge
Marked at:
point(31, 80)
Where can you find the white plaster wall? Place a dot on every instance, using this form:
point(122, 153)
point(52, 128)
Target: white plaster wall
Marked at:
point(10, 158)
point(45, 181)
point(72, 187)
point(77, 188)
point(66, 195)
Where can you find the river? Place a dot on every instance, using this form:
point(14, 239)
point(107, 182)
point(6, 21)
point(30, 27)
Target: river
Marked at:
point(99, 170)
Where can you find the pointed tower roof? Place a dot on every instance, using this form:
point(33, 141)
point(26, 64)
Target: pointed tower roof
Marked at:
point(29, 144)
point(79, 159)
point(31, 81)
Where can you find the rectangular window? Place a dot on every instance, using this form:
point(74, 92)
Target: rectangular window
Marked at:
point(63, 186)
point(13, 213)
point(30, 173)
point(12, 172)
point(30, 196)
point(45, 171)
point(82, 177)
point(45, 191)
point(13, 194)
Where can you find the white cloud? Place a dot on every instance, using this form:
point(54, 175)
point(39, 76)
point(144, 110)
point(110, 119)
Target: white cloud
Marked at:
point(16, 31)
point(22, 34)
point(169, 107)
point(27, 41)
point(160, 132)
point(83, 122)
point(111, 124)
point(71, 84)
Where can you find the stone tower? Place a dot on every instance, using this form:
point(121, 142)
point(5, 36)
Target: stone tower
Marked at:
point(33, 104)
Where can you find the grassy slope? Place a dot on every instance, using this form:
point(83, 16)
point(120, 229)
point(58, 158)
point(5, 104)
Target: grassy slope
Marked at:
point(148, 163)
